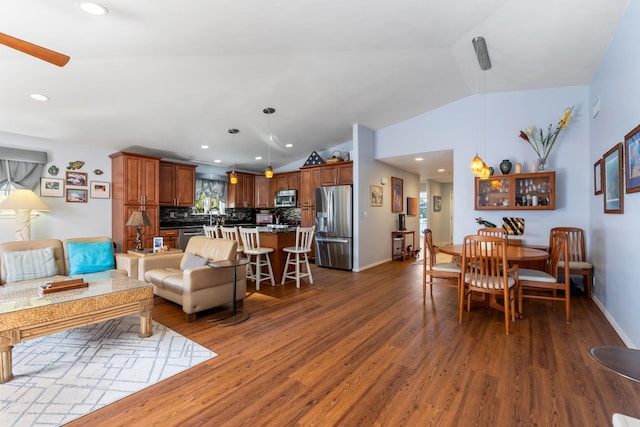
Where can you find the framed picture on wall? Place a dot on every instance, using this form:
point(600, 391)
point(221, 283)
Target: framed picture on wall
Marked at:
point(376, 192)
point(100, 190)
point(612, 185)
point(396, 195)
point(597, 177)
point(51, 187)
point(412, 206)
point(76, 195)
point(437, 203)
point(632, 160)
point(78, 179)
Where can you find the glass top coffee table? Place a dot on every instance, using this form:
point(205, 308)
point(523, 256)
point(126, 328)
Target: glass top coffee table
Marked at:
point(25, 315)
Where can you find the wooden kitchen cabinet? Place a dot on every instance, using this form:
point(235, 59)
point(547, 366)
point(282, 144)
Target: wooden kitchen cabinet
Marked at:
point(134, 184)
point(170, 237)
point(286, 181)
point(241, 195)
point(177, 183)
point(523, 191)
point(263, 193)
point(309, 181)
point(340, 173)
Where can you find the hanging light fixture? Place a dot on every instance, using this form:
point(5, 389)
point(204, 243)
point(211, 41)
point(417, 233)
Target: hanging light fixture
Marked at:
point(268, 172)
point(233, 178)
point(478, 166)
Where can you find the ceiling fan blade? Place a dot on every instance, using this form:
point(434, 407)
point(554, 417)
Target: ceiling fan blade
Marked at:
point(34, 50)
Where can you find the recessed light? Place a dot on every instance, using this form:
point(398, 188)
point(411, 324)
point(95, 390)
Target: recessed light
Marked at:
point(39, 97)
point(289, 145)
point(204, 147)
point(94, 8)
point(440, 170)
point(418, 159)
point(217, 161)
point(258, 157)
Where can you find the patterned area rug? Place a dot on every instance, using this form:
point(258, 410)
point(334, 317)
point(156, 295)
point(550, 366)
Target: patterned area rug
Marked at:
point(66, 375)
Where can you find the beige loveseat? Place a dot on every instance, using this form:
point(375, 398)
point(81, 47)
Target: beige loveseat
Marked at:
point(9, 268)
point(185, 279)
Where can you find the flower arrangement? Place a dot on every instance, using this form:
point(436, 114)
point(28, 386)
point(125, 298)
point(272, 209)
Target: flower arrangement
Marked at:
point(541, 143)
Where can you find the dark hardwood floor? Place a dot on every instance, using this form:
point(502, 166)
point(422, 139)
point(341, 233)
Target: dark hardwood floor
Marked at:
point(362, 349)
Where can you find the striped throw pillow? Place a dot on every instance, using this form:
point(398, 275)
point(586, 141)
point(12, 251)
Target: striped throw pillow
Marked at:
point(31, 264)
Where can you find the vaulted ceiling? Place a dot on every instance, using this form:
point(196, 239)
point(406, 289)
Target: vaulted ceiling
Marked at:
point(167, 77)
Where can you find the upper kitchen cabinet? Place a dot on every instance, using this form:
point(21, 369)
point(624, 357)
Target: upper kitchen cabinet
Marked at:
point(340, 173)
point(286, 181)
point(136, 176)
point(263, 193)
point(241, 195)
point(309, 181)
point(177, 184)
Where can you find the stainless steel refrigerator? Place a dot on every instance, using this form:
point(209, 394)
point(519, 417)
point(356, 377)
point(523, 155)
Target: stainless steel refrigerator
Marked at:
point(334, 227)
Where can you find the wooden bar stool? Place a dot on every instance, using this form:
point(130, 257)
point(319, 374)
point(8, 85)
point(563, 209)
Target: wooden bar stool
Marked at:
point(258, 256)
point(304, 238)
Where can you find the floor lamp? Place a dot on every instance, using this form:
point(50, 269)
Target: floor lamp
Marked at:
point(23, 201)
point(138, 219)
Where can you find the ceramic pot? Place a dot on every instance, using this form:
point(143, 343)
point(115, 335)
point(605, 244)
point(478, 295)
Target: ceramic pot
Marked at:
point(505, 167)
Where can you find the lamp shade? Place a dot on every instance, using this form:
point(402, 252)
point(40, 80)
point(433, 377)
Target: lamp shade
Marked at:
point(23, 199)
point(138, 219)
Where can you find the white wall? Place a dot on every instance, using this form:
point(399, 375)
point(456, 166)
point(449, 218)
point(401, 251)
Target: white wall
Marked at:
point(65, 219)
point(457, 126)
point(375, 224)
point(614, 252)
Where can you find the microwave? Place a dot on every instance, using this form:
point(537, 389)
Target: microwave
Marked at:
point(286, 199)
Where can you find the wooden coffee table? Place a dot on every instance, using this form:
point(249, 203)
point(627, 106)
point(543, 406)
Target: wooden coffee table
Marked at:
point(24, 315)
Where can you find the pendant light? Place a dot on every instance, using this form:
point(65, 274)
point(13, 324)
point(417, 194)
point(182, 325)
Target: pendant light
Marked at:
point(478, 166)
point(233, 178)
point(268, 172)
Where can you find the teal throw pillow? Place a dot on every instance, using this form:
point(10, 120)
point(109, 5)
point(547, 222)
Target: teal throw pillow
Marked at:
point(31, 264)
point(90, 257)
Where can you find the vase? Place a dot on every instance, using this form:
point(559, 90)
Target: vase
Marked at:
point(505, 167)
point(542, 165)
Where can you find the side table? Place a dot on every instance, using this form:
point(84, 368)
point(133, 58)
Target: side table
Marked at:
point(402, 234)
point(237, 316)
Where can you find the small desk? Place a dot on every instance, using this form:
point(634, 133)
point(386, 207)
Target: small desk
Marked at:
point(621, 360)
point(403, 250)
point(236, 316)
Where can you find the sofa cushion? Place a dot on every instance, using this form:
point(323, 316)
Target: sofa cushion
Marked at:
point(30, 264)
point(27, 245)
point(90, 257)
point(194, 261)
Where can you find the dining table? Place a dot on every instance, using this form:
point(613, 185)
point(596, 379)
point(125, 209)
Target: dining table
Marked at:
point(515, 254)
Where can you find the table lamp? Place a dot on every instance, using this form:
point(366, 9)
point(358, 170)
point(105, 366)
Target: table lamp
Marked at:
point(23, 201)
point(138, 219)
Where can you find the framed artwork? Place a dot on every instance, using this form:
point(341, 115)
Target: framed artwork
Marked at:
point(158, 242)
point(412, 206)
point(437, 203)
point(100, 190)
point(612, 183)
point(78, 179)
point(76, 195)
point(597, 177)
point(376, 195)
point(632, 156)
point(51, 187)
point(396, 195)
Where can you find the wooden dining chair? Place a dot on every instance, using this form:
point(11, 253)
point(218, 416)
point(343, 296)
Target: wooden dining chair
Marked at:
point(435, 273)
point(483, 271)
point(545, 285)
point(578, 263)
point(493, 231)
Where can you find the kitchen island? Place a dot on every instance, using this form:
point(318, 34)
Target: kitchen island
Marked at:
point(277, 241)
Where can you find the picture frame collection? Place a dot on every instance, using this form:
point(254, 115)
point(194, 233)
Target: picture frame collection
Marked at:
point(618, 172)
point(75, 187)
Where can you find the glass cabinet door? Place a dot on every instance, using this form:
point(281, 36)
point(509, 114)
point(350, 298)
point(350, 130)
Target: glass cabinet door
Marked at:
point(531, 191)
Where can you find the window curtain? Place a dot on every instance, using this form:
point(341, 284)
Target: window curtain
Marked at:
point(213, 189)
point(20, 168)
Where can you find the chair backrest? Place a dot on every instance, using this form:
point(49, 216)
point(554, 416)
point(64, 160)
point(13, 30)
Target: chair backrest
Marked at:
point(484, 262)
point(558, 250)
point(211, 231)
point(304, 237)
point(428, 246)
point(230, 233)
point(575, 241)
point(493, 231)
point(250, 238)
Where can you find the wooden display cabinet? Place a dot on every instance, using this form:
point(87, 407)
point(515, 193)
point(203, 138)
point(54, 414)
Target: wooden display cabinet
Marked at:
point(523, 191)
